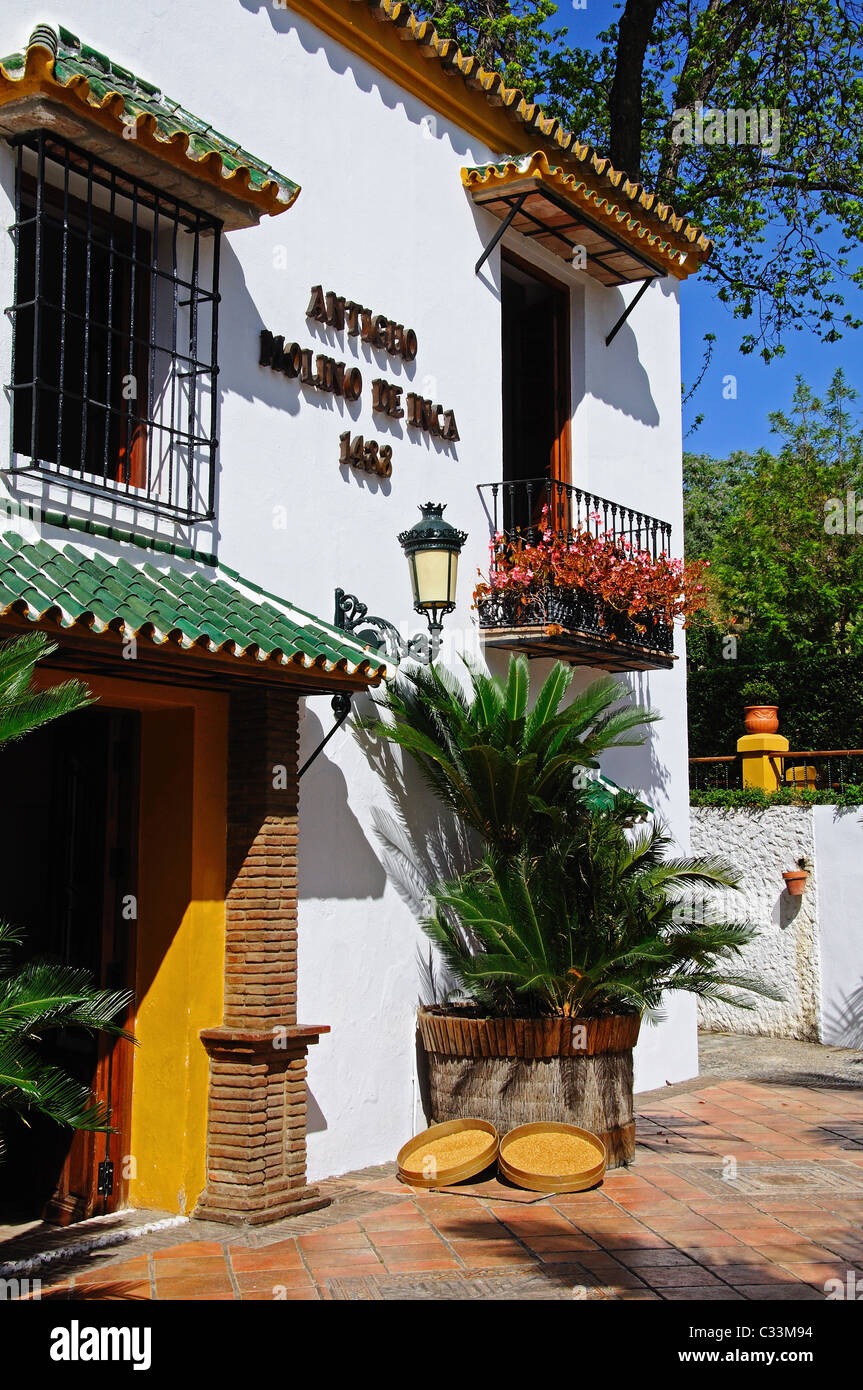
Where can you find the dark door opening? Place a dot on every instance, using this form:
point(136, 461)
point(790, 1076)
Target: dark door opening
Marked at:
point(68, 860)
point(535, 315)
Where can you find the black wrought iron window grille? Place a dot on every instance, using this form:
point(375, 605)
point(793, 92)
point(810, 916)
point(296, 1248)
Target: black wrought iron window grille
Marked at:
point(115, 332)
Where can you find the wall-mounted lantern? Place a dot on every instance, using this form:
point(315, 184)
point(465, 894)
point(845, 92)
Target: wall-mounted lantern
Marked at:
point(432, 548)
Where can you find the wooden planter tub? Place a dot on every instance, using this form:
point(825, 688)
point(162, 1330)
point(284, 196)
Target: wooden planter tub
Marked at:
point(518, 1071)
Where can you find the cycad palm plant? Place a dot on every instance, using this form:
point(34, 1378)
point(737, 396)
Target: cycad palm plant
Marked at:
point(599, 923)
point(36, 998)
point(507, 767)
point(41, 996)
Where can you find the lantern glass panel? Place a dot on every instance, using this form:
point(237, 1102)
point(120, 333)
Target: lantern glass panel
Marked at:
point(433, 576)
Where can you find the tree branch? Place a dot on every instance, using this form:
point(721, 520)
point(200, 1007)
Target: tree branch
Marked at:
point(625, 106)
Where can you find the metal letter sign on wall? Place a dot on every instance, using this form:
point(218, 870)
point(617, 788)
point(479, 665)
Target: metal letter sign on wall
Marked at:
point(324, 373)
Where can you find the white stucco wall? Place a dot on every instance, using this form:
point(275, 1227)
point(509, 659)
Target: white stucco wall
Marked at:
point(839, 860)
point(383, 218)
point(762, 845)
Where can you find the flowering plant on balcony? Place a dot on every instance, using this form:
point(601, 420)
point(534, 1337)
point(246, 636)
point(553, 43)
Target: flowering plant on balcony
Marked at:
point(625, 579)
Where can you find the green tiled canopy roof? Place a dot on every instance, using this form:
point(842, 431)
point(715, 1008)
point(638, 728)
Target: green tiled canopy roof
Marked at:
point(191, 607)
point(57, 64)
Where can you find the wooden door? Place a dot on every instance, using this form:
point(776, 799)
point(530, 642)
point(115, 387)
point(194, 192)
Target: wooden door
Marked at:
point(68, 879)
point(536, 396)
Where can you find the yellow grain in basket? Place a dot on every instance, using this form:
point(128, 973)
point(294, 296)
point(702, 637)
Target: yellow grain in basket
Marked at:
point(550, 1154)
point(448, 1152)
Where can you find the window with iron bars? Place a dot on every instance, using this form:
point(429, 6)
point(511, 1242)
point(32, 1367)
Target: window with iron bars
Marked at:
point(115, 329)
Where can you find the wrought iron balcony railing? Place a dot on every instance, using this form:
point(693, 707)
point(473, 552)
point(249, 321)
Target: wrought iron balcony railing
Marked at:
point(570, 622)
point(516, 510)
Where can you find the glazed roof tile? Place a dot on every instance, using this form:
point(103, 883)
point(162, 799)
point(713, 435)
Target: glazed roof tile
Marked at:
point(56, 64)
point(192, 607)
point(613, 210)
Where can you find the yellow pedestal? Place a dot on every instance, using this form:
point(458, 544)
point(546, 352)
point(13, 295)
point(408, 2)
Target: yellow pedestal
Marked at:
point(762, 765)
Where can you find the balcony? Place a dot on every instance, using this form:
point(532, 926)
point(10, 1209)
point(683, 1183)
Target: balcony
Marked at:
point(548, 618)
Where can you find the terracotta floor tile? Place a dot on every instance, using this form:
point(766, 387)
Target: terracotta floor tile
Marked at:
point(415, 1221)
point(713, 1294)
point(712, 1240)
point(619, 1277)
point(769, 1273)
point(431, 1248)
point(501, 1248)
point(421, 1235)
point(332, 1240)
point(189, 1249)
point(787, 1293)
point(244, 1260)
point(474, 1259)
point(208, 1267)
point(817, 1273)
point(635, 1240)
point(678, 1276)
point(298, 1295)
point(274, 1280)
point(651, 1259)
point(101, 1273)
point(201, 1286)
point(636, 1295)
point(599, 1260)
point(789, 1252)
point(576, 1241)
point(428, 1264)
point(200, 1297)
point(330, 1264)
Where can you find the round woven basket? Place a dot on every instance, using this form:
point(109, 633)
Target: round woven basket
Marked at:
point(573, 1180)
point(445, 1177)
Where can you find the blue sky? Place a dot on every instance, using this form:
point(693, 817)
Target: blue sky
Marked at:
point(741, 423)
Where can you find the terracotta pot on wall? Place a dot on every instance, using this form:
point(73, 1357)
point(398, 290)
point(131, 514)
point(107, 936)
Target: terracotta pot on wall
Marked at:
point(795, 881)
point(761, 719)
point(518, 1071)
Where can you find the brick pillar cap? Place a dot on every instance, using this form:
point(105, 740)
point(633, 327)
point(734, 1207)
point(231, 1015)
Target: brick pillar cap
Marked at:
point(300, 1032)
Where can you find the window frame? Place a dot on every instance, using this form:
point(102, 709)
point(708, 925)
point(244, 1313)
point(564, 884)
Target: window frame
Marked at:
point(136, 211)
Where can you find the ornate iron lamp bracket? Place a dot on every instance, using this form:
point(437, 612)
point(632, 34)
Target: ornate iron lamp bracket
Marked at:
point(381, 635)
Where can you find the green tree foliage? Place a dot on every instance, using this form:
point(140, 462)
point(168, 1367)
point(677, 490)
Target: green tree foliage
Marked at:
point(787, 559)
point(786, 212)
point(515, 39)
point(709, 491)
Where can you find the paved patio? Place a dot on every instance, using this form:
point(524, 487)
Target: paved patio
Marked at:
point(742, 1190)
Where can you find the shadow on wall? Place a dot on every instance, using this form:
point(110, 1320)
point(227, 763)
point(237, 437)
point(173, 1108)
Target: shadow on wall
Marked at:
point(789, 909)
point(843, 1023)
point(619, 379)
point(316, 1120)
point(367, 79)
point(421, 842)
point(335, 857)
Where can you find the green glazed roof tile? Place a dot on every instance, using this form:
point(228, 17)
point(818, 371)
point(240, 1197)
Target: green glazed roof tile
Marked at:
point(210, 607)
point(81, 73)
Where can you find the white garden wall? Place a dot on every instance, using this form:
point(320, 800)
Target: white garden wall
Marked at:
point(809, 947)
point(839, 858)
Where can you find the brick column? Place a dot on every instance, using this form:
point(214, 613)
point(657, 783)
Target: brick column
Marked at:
point(256, 1130)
